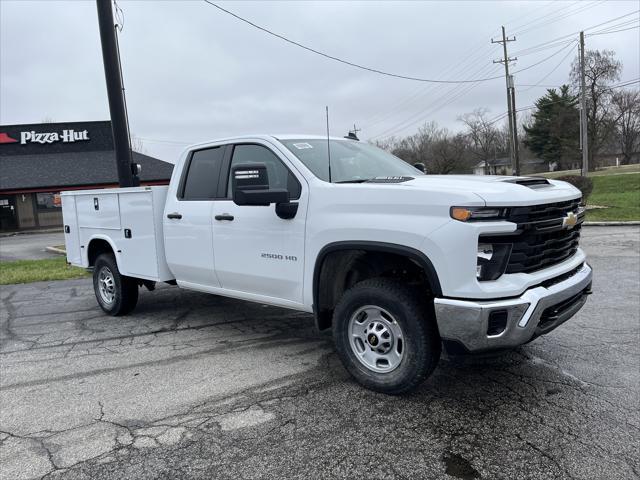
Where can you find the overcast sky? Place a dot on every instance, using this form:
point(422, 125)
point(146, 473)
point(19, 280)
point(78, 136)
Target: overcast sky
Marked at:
point(194, 73)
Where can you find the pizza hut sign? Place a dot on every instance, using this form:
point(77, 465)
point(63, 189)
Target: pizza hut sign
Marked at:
point(66, 136)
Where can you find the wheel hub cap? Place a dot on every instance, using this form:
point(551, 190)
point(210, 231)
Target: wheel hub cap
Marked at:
point(379, 337)
point(376, 339)
point(106, 285)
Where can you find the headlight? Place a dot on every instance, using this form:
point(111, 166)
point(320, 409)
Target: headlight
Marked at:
point(466, 214)
point(492, 260)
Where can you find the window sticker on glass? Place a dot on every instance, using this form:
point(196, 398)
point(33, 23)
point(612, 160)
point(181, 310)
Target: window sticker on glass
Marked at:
point(302, 146)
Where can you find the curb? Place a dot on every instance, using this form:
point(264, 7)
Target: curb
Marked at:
point(59, 251)
point(611, 224)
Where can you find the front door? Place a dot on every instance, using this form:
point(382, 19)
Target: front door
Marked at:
point(255, 250)
point(8, 217)
point(188, 219)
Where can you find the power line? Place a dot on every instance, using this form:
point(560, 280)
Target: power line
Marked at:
point(546, 22)
point(565, 43)
point(535, 85)
point(622, 84)
point(526, 14)
point(405, 123)
point(517, 28)
point(613, 31)
point(472, 82)
point(543, 60)
point(537, 49)
point(452, 95)
point(570, 36)
point(456, 69)
point(431, 91)
point(552, 70)
point(346, 62)
point(626, 23)
point(421, 91)
point(452, 92)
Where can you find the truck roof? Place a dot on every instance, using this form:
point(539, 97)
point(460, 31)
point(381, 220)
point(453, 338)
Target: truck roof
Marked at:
point(283, 136)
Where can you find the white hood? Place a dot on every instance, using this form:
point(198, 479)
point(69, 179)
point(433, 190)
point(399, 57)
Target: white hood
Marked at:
point(500, 190)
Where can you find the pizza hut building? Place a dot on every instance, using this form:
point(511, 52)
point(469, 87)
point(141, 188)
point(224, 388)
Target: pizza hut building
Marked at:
point(38, 161)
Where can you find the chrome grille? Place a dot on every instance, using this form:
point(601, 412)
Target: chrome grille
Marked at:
point(541, 239)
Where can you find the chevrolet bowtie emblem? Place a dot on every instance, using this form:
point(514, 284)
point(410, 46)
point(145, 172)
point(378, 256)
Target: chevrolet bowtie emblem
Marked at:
point(569, 221)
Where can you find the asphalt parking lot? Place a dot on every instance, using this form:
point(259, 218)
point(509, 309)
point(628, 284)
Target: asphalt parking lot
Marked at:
point(29, 246)
point(198, 386)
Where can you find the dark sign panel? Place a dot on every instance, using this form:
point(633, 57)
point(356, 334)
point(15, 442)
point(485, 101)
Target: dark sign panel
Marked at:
point(45, 138)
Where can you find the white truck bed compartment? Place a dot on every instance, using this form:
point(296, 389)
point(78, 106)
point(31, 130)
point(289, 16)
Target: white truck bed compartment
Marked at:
point(110, 215)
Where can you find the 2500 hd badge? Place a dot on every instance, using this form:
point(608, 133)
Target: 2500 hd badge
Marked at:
point(277, 256)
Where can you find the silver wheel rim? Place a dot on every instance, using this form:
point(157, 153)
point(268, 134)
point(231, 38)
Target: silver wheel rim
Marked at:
point(376, 339)
point(106, 285)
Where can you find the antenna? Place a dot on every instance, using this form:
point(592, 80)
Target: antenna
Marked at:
point(328, 143)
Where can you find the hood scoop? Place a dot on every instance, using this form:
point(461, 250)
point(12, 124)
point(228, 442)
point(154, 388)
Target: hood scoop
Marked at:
point(531, 182)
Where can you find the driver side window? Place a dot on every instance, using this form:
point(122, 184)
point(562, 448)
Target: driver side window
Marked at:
point(279, 174)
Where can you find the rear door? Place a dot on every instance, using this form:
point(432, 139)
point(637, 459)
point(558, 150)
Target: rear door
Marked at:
point(188, 219)
point(71, 230)
point(256, 251)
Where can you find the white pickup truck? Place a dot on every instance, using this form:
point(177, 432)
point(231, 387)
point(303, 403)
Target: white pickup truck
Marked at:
point(396, 262)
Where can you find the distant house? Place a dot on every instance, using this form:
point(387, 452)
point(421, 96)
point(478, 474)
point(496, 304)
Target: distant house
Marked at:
point(615, 159)
point(502, 166)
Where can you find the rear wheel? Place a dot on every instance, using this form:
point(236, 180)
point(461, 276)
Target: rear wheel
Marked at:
point(385, 336)
point(116, 294)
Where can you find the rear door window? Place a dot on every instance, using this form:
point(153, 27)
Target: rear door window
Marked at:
point(203, 172)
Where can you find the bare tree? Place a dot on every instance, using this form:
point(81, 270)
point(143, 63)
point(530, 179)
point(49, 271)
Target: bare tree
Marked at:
point(387, 144)
point(137, 145)
point(484, 136)
point(440, 151)
point(449, 154)
point(601, 69)
point(626, 110)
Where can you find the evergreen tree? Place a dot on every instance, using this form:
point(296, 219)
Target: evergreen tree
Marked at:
point(554, 133)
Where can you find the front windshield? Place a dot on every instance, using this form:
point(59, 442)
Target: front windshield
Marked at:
point(351, 161)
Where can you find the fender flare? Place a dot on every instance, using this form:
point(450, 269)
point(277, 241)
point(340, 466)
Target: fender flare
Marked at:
point(416, 255)
point(116, 252)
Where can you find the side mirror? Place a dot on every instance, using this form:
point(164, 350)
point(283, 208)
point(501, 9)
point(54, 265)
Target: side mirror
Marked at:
point(250, 183)
point(420, 166)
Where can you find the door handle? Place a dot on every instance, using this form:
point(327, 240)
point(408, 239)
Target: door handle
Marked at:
point(174, 215)
point(224, 216)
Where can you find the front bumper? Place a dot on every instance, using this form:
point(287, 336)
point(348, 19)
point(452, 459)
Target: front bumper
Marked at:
point(494, 324)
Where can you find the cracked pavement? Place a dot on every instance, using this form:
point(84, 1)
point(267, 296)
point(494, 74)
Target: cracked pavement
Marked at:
point(198, 386)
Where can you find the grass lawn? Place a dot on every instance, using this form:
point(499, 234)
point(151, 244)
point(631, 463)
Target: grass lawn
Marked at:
point(604, 171)
point(26, 271)
point(621, 193)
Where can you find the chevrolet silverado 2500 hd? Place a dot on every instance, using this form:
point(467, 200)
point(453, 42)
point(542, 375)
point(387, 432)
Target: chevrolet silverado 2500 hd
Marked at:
point(396, 262)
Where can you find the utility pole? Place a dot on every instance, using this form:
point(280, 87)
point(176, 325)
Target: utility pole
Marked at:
point(584, 134)
point(115, 91)
point(510, 105)
point(516, 148)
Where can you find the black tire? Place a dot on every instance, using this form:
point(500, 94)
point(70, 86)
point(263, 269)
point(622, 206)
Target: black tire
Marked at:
point(125, 289)
point(421, 341)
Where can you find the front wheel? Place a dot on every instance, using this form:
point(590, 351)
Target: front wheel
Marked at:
point(116, 294)
point(385, 336)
